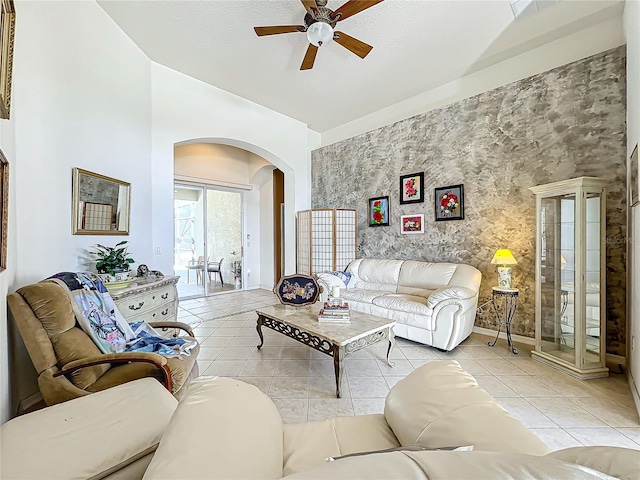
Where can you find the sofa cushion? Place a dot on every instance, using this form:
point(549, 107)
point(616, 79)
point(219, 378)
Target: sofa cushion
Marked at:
point(309, 444)
point(445, 464)
point(404, 303)
point(417, 277)
point(441, 404)
point(622, 463)
point(373, 274)
point(87, 437)
point(361, 295)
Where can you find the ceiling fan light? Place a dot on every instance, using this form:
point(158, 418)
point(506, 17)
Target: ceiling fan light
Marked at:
point(319, 33)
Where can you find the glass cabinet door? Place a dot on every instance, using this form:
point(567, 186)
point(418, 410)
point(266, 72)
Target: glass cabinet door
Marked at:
point(593, 272)
point(557, 276)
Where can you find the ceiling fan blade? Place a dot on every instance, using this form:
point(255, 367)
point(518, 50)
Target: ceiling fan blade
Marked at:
point(352, 7)
point(309, 5)
point(309, 57)
point(261, 31)
point(353, 44)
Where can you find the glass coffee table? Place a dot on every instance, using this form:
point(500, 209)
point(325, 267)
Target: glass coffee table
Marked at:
point(334, 339)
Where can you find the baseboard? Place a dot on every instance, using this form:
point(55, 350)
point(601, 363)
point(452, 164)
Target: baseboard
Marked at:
point(265, 287)
point(516, 338)
point(634, 390)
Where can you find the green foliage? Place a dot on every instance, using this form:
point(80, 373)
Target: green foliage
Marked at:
point(112, 258)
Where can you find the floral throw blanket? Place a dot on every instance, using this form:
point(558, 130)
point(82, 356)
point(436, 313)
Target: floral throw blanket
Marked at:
point(98, 316)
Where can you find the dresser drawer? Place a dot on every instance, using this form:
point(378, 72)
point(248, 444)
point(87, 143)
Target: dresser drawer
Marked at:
point(146, 302)
point(163, 313)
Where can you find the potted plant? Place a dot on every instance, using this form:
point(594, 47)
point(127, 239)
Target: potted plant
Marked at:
point(113, 260)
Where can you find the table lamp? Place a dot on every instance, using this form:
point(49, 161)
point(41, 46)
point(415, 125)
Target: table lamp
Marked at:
point(504, 257)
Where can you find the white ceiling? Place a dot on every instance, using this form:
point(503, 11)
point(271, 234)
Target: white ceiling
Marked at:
point(417, 45)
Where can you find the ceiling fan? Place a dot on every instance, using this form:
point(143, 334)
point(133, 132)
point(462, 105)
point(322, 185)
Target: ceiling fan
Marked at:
point(319, 25)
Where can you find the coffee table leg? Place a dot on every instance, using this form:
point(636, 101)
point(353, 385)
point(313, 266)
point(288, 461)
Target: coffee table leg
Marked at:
point(259, 328)
point(338, 365)
point(392, 343)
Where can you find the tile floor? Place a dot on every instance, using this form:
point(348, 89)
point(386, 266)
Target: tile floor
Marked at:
point(561, 410)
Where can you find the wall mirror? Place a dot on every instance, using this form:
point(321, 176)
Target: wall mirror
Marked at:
point(100, 204)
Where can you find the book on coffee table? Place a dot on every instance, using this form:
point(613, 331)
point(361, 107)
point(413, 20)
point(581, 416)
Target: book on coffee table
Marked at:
point(330, 317)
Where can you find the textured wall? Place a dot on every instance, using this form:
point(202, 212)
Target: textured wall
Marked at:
point(564, 123)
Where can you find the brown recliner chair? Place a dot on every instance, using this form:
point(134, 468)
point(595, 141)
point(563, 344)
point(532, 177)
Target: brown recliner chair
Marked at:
point(68, 362)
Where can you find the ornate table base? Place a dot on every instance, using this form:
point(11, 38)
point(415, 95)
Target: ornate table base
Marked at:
point(338, 352)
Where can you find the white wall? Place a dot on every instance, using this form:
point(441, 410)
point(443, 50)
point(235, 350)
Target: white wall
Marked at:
point(85, 96)
point(598, 38)
point(185, 109)
point(632, 33)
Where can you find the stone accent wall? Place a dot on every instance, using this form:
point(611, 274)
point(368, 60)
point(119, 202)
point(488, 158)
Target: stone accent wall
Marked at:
point(564, 123)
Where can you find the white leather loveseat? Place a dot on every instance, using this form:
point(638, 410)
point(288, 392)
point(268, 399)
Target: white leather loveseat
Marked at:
point(226, 429)
point(432, 303)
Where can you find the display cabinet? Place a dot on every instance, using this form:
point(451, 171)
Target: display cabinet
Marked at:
point(327, 239)
point(570, 276)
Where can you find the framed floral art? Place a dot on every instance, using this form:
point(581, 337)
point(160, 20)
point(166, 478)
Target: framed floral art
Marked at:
point(449, 203)
point(412, 188)
point(410, 224)
point(379, 212)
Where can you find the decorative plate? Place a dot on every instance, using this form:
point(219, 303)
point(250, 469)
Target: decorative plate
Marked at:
point(297, 290)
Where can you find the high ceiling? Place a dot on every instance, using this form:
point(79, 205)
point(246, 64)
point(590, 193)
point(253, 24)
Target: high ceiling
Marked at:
point(417, 45)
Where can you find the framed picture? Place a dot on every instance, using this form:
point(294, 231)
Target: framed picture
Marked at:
point(4, 209)
point(410, 224)
point(412, 188)
point(7, 33)
point(101, 204)
point(379, 212)
point(449, 203)
point(633, 178)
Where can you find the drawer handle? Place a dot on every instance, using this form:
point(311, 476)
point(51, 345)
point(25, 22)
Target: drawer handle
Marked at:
point(133, 307)
point(165, 296)
point(165, 311)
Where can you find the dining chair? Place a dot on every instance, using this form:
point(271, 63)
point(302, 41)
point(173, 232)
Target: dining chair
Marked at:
point(198, 266)
point(215, 267)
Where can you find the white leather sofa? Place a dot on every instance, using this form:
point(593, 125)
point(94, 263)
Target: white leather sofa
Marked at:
point(227, 429)
point(432, 303)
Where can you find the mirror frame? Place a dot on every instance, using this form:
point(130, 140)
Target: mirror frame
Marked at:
point(77, 228)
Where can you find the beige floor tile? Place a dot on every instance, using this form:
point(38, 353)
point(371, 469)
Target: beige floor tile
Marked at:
point(209, 353)
point(379, 352)
point(495, 387)
point(392, 379)
point(528, 386)
point(602, 436)
point(265, 353)
point(502, 367)
point(235, 353)
point(400, 367)
point(325, 387)
point(321, 367)
point(531, 366)
point(325, 408)
point(566, 385)
point(227, 332)
point(368, 387)
point(418, 353)
point(203, 365)
point(243, 341)
point(224, 368)
point(295, 353)
point(292, 410)
point(262, 383)
point(292, 368)
point(474, 367)
point(289, 387)
point(556, 438)
point(218, 342)
point(362, 368)
point(258, 367)
point(231, 323)
point(528, 415)
point(631, 433)
point(565, 413)
point(367, 406)
point(613, 414)
point(419, 363)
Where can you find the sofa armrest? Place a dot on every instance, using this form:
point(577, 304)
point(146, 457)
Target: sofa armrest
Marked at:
point(326, 281)
point(622, 463)
point(222, 429)
point(450, 293)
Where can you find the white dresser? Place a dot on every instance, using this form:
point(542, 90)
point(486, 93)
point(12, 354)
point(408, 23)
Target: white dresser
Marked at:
point(153, 301)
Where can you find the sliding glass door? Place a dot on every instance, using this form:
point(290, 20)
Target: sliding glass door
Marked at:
point(208, 240)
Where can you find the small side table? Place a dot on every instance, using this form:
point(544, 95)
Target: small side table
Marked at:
point(510, 296)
